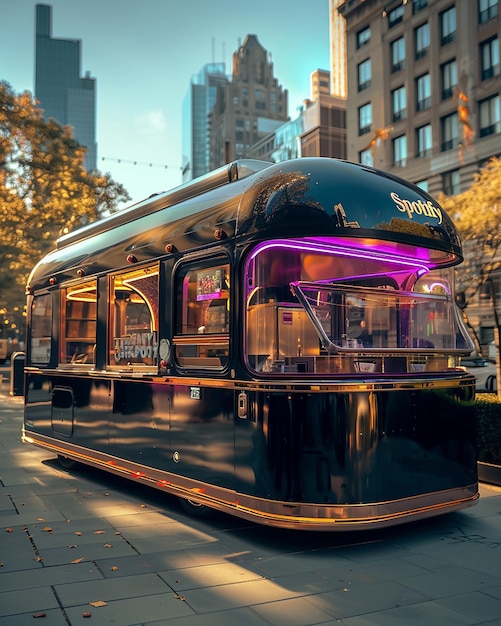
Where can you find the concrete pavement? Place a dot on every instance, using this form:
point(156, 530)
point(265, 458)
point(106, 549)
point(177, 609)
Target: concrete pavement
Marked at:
point(85, 548)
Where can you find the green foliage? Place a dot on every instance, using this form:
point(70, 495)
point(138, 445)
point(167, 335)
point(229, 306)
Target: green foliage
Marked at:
point(488, 408)
point(45, 190)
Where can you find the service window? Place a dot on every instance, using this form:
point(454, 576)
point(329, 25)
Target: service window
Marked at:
point(78, 324)
point(203, 314)
point(134, 318)
point(41, 329)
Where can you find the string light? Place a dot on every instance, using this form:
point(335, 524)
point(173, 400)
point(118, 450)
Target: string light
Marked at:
point(140, 163)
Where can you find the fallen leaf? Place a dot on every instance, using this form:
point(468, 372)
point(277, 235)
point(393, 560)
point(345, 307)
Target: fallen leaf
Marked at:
point(114, 568)
point(117, 532)
point(78, 560)
point(36, 615)
point(143, 506)
point(99, 532)
point(178, 597)
point(78, 533)
point(38, 559)
point(98, 603)
point(47, 529)
point(73, 546)
point(86, 614)
point(108, 545)
point(40, 519)
point(9, 530)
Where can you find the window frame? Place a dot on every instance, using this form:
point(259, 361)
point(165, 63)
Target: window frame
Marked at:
point(129, 347)
point(448, 124)
point(448, 25)
point(451, 182)
point(421, 40)
point(364, 74)
point(41, 329)
point(448, 73)
point(400, 152)
point(423, 92)
point(396, 15)
point(78, 324)
point(193, 347)
point(487, 12)
point(363, 37)
point(424, 141)
point(364, 111)
point(397, 54)
point(489, 58)
point(418, 5)
point(399, 98)
point(491, 107)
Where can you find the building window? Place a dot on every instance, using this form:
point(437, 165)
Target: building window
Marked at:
point(448, 26)
point(450, 132)
point(423, 92)
point(490, 116)
point(423, 141)
point(449, 78)
point(366, 157)
point(365, 119)
point(396, 15)
point(489, 58)
point(451, 183)
point(422, 40)
point(400, 151)
point(363, 37)
point(418, 5)
point(487, 10)
point(364, 75)
point(399, 103)
point(397, 49)
point(423, 184)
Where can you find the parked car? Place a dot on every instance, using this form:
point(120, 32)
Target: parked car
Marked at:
point(477, 361)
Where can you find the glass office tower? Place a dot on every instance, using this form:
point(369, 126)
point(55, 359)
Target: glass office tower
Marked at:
point(62, 94)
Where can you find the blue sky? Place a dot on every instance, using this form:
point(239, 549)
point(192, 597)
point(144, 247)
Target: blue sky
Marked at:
point(143, 54)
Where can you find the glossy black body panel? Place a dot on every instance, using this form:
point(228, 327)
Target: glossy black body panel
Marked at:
point(294, 446)
point(256, 208)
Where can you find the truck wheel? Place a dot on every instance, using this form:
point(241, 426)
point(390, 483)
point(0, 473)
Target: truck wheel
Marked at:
point(195, 509)
point(66, 463)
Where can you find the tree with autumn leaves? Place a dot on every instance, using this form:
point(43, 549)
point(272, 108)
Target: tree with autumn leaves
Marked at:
point(45, 192)
point(477, 215)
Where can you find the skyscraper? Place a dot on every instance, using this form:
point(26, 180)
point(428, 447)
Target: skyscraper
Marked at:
point(62, 94)
point(197, 106)
point(338, 51)
point(247, 108)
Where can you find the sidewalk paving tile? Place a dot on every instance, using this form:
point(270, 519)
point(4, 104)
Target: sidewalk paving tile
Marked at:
point(49, 576)
point(51, 617)
point(207, 576)
point(131, 612)
point(78, 593)
point(15, 602)
point(356, 599)
point(422, 614)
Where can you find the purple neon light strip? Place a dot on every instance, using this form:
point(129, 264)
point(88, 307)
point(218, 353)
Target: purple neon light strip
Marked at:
point(294, 244)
